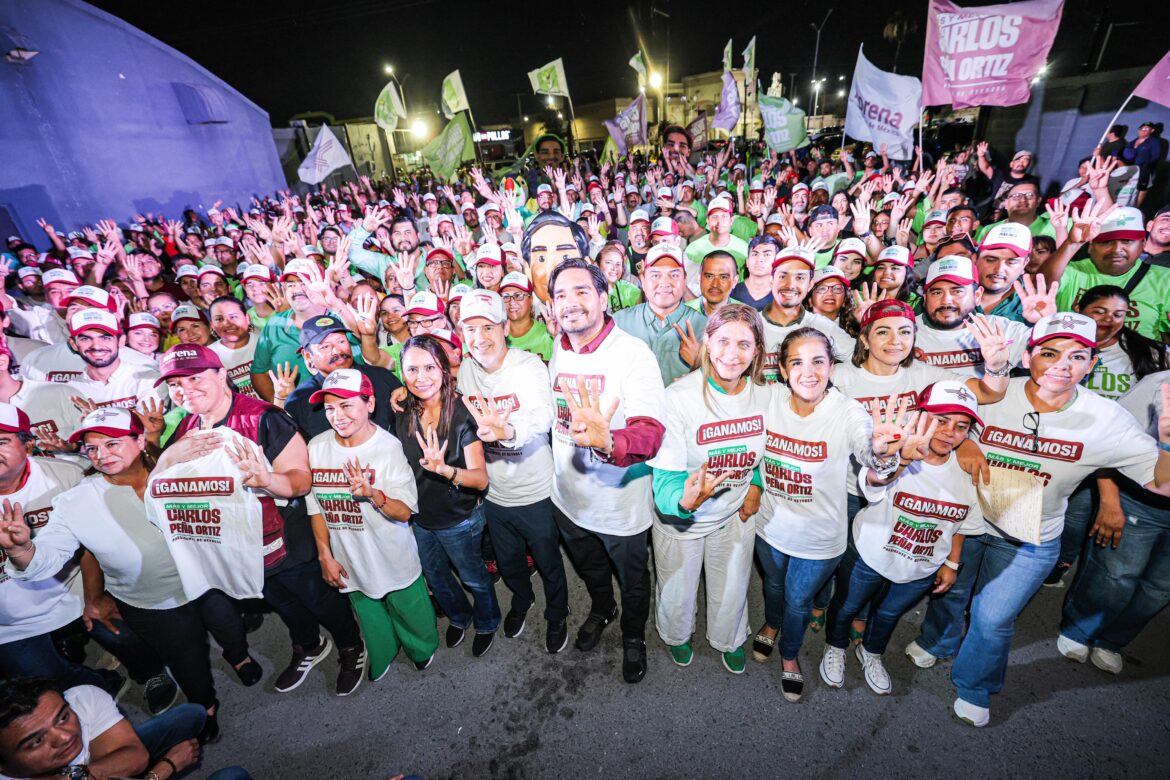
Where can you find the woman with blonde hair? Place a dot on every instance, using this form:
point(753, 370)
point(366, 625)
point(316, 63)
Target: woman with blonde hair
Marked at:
point(714, 441)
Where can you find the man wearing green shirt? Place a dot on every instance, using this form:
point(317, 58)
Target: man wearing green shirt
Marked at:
point(1001, 261)
point(280, 340)
point(719, 217)
point(717, 278)
point(671, 330)
point(1023, 204)
point(524, 331)
point(1115, 246)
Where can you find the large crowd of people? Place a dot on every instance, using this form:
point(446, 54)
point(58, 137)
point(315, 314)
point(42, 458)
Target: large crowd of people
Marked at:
point(358, 408)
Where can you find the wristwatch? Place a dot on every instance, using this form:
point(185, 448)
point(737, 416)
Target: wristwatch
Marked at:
point(952, 565)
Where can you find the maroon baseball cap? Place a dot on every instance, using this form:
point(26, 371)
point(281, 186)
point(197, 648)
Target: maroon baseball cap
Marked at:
point(110, 421)
point(187, 360)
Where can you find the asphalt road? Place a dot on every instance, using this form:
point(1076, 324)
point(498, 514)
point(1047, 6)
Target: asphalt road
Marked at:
point(519, 712)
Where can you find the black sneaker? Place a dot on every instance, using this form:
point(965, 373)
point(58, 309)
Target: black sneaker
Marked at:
point(514, 623)
point(482, 643)
point(303, 661)
point(1056, 576)
point(210, 731)
point(633, 659)
point(160, 693)
point(556, 636)
point(590, 632)
point(455, 635)
point(420, 665)
point(351, 669)
point(249, 672)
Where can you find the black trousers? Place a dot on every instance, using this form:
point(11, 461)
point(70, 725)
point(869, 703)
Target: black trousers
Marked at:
point(597, 557)
point(516, 529)
point(305, 602)
point(180, 639)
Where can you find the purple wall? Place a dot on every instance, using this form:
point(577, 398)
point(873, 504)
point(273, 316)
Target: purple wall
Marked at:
point(99, 124)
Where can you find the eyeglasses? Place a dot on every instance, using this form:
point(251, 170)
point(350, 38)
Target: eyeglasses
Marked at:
point(834, 289)
point(440, 264)
point(515, 297)
point(1032, 426)
point(426, 324)
point(1022, 196)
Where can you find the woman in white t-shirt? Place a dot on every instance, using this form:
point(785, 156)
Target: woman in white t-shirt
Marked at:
point(708, 458)
point(908, 539)
point(811, 430)
point(235, 346)
point(360, 505)
point(106, 515)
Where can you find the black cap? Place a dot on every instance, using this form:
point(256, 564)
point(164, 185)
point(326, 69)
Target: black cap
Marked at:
point(316, 329)
point(824, 211)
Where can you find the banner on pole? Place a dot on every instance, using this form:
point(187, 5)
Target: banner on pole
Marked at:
point(785, 127)
point(727, 55)
point(629, 127)
point(883, 108)
point(388, 108)
point(749, 57)
point(454, 98)
point(450, 148)
point(727, 115)
point(1156, 85)
point(550, 79)
point(327, 155)
point(639, 65)
point(986, 56)
point(698, 131)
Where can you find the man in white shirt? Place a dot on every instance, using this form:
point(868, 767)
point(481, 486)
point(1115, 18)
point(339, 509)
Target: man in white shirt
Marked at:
point(609, 400)
point(507, 391)
point(96, 335)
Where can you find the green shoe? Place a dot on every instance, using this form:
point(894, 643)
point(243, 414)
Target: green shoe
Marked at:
point(735, 661)
point(682, 654)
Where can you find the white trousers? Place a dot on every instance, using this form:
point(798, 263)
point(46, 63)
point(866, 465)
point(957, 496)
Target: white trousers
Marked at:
point(725, 555)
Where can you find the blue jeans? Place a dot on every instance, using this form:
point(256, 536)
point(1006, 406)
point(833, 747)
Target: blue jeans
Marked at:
point(789, 586)
point(859, 586)
point(946, 616)
point(163, 732)
point(460, 546)
point(825, 594)
point(1009, 575)
point(1082, 507)
point(37, 656)
point(1118, 592)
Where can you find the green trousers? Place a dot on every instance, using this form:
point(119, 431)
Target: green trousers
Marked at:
point(400, 619)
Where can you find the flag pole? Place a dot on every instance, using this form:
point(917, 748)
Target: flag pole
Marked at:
point(1113, 121)
point(471, 116)
point(572, 120)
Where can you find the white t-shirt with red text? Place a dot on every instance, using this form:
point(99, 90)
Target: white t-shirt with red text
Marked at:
point(126, 388)
point(958, 350)
point(59, 363)
point(238, 363)
point(774, 336)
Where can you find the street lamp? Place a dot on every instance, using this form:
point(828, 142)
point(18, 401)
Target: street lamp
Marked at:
point(816, 85)
point(418, 128)
point(389, 69)
point(655, 79)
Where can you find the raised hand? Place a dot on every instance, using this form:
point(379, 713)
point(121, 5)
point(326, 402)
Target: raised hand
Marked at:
point(433, 453)
point(47, 440)
point(284, 380)
point(150, 411)
point(252, 466)
point(83, 405)
point(1099, 171)
point(891, 428)
point(1086, 222)
point(365, 314)
point(359, 479)
point(588, 424)
point(492, 422)
point(688, 348)
point(992, 343)
point(861, 217)
point(917, 443)
point(902, 237)
point(14, 531)
point(1038, 299)
point(700, 486)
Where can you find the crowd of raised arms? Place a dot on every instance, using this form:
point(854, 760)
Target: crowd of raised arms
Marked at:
point(360, 408)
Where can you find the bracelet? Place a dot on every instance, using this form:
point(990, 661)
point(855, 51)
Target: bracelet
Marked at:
point(903, 463)
point(1163, 446)
point(951, 564)
point(171, 764)
point(1007, 369)
point(455, 476)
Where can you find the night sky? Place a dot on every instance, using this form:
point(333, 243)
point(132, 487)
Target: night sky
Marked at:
point(292, 57)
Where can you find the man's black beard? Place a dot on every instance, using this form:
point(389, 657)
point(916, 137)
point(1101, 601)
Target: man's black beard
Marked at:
point(940, 326)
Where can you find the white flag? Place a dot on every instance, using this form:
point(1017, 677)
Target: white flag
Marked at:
point(388, 109)
point(637, 64)
point(883, 108)
point(749, 57)
point(453, 96)
point(550, 79)
point(727, 55)
point(326, 156)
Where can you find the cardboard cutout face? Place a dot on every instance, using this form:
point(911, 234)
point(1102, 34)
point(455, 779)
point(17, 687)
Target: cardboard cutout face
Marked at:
point(551, 244)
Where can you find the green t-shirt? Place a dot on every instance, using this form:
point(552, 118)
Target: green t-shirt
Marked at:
point(624, 295)
point(701, 247)
point(537, 341)
point(1041, 226)
point(257, 321)
point(395, 352)
point(1149, 302)
point(744, 227)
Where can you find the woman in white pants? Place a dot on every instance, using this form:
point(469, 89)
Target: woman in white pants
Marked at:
point(713, 444)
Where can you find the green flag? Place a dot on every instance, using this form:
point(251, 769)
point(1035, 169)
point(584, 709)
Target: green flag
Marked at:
point(727, 55)
point(454, 98)
point(784, 124)
point(450, 148)
point(388, 109)
point(550, 79)
point(639, 65)
point(749, 57)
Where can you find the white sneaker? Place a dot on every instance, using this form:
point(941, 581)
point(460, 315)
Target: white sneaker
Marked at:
point(833, 666)
point(1107, 660)
point(970, 713)
point(1072, 649)
point(921, 658)
point(876, 675)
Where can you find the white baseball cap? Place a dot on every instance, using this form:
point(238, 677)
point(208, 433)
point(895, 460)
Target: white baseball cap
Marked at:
point(639, 215)
point(344, 383)
point(425, 302)
point(935, 217)
point(795, 253)
point(60, 276)
point(664, 226)
point(1065, 324)
point(14, 420)
point(489, 254)
point(953, 268)
point(27, 271)
point(828, 272)
point(186, 271)
point(1008, 235)
point(143, 319)
point(186, 311)
point(662, 252)
point(482, 303)
point(457, 292)
point(896, 254)
point(850, 246)
point(297, 267)
point(719, 203)
point(1122, 224)
point(101, 319)
point(948, 397)
point(517, 280)
point(94, 296)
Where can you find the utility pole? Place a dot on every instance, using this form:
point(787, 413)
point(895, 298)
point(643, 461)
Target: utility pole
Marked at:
point(817, 48)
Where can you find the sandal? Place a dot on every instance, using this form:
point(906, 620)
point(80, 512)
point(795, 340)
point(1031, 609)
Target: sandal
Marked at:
point(792, 685)
point(762, 646)
point(816, 622)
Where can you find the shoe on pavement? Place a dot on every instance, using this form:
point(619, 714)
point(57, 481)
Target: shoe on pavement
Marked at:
point(1072, 649)
point(455, 635)
point(590, 632)
point(351, 669)
point(1055, 578)
point(1107, 660)
point(210, 732)
point(420, 665)
point(633, 659)
point(482, 643)
point(514, 623)
point(972, 714)
point(249, 672)
point(762, 646)
point(876, 675)
point(735, 661)
point(921, 658)
point(303, 660)
point(792, 685)
point(833, 667)
point(556, 636)
point(160, 693)
point(682, 654)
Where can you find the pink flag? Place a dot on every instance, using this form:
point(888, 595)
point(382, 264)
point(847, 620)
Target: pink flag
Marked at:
point(1156, 85)
point(986, 56)
point(629, 127)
